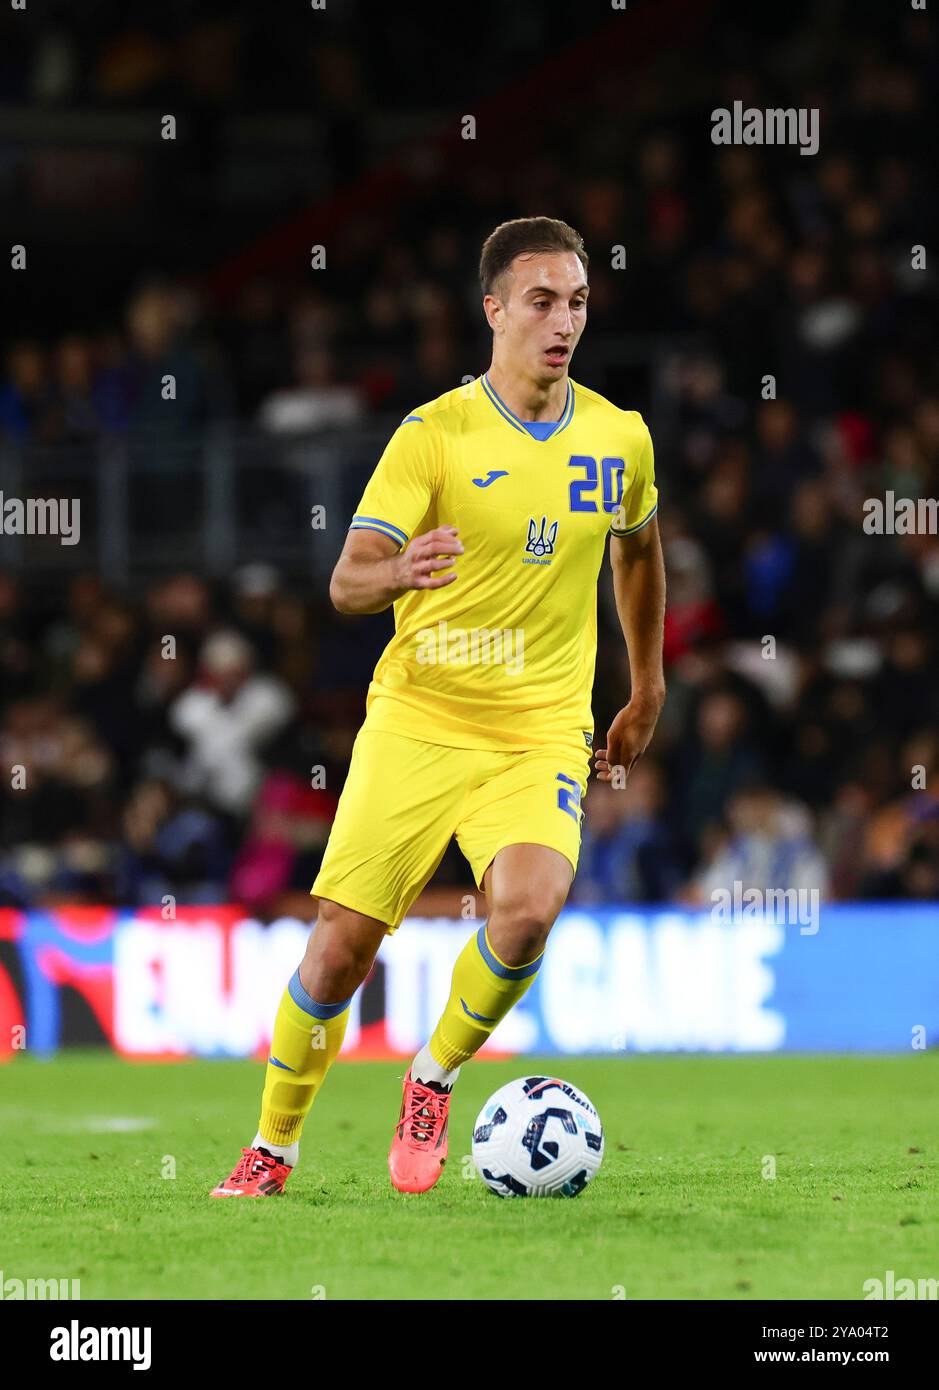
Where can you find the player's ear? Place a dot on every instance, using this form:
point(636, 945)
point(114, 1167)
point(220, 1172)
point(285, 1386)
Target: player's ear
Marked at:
point(494, 310)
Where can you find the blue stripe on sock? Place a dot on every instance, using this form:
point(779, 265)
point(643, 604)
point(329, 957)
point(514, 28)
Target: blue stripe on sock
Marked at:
point(480, 1018)
point(309, 1006)
point(505, 972)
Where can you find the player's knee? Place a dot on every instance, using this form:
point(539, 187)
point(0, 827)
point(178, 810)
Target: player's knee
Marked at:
point(333, 970)
point(521, 920)
point(336, 960)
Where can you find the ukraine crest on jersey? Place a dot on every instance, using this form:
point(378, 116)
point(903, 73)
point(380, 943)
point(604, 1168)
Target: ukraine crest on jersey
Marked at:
point(504, 657)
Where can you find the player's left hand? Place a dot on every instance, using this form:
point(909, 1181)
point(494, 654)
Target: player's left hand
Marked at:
point(627, 739)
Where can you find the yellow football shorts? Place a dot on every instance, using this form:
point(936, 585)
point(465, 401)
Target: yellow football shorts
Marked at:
point(404, 800)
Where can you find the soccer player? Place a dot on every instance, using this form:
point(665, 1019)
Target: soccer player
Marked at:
point(485, 524)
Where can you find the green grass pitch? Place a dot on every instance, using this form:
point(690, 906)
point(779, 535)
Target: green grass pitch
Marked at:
point(680, 1208)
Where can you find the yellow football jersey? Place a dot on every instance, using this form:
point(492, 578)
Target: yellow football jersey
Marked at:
point(504, 657)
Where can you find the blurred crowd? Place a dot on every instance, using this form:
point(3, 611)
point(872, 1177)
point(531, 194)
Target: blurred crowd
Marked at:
point(192, 744)
point(797, 376)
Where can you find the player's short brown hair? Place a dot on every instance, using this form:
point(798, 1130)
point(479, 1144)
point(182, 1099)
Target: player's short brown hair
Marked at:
point(520, 237)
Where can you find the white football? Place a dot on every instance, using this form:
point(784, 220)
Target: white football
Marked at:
point(537, 1137)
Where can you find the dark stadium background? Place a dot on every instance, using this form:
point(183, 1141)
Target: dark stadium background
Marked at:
point(342, 128)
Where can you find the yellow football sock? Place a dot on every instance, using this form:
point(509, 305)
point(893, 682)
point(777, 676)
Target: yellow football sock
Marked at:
point(483, 990)
point(307, 1038)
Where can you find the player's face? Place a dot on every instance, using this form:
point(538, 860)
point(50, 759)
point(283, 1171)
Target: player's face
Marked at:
point(543, 314)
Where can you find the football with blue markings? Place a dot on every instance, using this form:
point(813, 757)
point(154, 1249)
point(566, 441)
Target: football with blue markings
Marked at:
point(537, 1137)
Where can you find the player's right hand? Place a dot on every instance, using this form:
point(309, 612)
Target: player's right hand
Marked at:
point(427, 561)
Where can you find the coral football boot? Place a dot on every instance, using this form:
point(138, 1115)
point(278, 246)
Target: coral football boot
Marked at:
point(419, 1145)
point(256, 1174)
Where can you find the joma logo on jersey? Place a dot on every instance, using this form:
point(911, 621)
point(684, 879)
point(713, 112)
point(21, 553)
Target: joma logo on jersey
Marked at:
point(540, 544)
